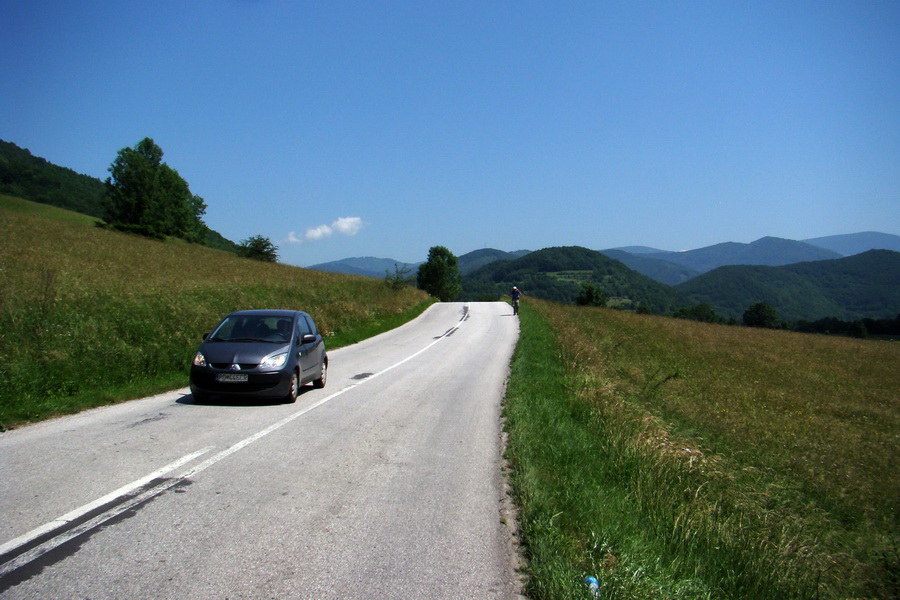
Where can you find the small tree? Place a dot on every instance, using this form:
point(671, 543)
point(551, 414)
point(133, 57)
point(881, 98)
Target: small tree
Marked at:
point(857, 329)
point(439, 276)
point(591, 294)
point(699, 312)
point(762, 315)
point(258, 248)
point(400, 278)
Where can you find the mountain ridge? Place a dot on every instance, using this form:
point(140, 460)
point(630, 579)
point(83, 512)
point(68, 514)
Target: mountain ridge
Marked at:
point(865, 285)
point(770, 251)
point(849, 244)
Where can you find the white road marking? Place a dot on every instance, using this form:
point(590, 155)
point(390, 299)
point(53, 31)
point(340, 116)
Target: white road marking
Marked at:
point(67, 518)
point(56, 541)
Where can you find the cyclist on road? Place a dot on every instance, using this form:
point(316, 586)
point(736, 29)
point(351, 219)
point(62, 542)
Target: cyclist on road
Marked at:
point(515, 299)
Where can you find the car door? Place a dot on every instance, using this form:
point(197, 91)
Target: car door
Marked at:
point(308, 360)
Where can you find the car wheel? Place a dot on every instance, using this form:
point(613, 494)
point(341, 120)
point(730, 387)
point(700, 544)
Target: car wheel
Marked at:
point(323, 376)
point(200, 397)
point(295, 388)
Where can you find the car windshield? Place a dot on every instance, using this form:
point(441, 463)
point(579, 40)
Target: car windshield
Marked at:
point(276, 330)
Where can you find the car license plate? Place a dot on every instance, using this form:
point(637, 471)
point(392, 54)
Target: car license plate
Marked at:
point(232, 377)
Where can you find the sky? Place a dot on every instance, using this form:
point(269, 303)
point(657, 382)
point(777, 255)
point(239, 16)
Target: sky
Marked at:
point(347, 128)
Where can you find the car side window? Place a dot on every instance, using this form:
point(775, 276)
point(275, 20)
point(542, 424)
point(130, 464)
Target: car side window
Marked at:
point(312, 326)
point(302, 327)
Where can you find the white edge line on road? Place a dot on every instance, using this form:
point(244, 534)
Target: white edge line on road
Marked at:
point(52, 543)
point(79, 512)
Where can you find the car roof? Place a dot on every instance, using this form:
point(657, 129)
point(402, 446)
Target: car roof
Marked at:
point(266, 313)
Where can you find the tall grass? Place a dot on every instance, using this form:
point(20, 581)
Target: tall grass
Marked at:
point(683, 460)
point(89, 316)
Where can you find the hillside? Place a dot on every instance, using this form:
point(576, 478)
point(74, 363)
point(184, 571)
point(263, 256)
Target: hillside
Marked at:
point(472, 261)
point(33, 178)
point(769, 251)
point(657, 269)
point(855, 287)
point(29, 177)
point(74, 295)
point(557, 274)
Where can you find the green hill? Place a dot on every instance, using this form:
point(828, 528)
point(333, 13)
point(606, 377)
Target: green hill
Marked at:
point(855, 287)
point(90, 316)
point(33, 178)
point(558, 273)
point(472, 261)
point(23, 175)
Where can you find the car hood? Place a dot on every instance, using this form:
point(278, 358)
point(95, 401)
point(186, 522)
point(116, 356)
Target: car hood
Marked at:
point(240, 352)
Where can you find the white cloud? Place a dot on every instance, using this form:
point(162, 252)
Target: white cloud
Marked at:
point(348, 225)
point(344, 226)
point(315, 234)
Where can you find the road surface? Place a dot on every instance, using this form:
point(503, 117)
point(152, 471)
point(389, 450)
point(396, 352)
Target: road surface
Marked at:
point(385, 484)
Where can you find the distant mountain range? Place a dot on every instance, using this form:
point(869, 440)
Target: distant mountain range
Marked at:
point(801, 280)
point(856, 243)
point(370, 266)
point(367, 266)
point(673, 268)
point(670, 268)
point(865, 285)
point(765, 251)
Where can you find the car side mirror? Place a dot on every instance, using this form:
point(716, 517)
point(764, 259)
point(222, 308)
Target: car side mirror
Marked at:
point(307, 339)
point(205, 335)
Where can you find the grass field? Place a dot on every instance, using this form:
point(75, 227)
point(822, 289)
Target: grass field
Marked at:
point(674, 459)
point(89, 316)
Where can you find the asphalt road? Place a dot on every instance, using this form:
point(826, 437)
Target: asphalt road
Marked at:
point(385, 484)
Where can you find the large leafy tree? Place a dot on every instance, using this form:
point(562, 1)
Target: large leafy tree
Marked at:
point(439, 275)
point(145, 195)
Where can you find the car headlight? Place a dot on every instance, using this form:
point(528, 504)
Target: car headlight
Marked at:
point(274, 362)
point(199, 360)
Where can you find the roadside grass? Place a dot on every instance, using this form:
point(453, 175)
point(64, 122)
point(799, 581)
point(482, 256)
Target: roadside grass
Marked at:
point(90, 316)
point(674, 459)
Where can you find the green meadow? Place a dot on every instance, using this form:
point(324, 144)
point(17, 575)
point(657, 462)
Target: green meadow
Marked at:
point(676, 459)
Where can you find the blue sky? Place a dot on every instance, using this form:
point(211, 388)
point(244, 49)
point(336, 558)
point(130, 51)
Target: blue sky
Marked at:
point(341, 129)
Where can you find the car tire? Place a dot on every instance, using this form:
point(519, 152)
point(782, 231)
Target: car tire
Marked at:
point(323, 376)
point(200, 397)
point(295, 388)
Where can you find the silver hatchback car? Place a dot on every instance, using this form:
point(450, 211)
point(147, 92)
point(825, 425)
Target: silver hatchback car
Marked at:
point(264, 354)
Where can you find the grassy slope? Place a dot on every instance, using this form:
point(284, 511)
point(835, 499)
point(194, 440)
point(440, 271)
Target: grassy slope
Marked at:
point(675, 459)
point(89, 316)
